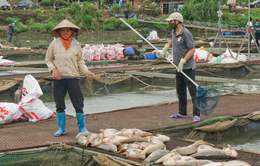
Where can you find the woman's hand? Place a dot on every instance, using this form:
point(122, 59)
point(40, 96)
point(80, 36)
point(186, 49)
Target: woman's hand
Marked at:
point(90, 75)
point(56, 75)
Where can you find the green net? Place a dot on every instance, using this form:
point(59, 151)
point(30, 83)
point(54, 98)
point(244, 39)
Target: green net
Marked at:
point(61, 156)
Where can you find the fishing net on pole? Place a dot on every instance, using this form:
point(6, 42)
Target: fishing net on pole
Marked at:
point(109, 78)
point(206, 100)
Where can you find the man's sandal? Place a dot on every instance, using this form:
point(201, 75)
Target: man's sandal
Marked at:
point(196, 119)
point(178, 116)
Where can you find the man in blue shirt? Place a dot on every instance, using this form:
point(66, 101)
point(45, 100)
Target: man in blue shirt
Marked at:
point(114, 2)
point(257, 33)
point(126, 14)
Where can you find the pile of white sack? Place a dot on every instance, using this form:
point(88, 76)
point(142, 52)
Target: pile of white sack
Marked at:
point(201, 54)
point(153, 36)
point(100, 52)
point(29, 108)
point(6, 62)
point(228, 58)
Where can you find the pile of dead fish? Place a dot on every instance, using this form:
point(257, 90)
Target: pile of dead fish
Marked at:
point(136, 143)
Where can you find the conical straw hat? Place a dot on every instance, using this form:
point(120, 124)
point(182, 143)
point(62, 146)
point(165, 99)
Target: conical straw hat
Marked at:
point(65, 24)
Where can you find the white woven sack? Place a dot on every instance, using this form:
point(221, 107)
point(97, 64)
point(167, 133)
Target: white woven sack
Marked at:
point(35, 110)
point(31, 89)
point(9, 112)
point(154, 35)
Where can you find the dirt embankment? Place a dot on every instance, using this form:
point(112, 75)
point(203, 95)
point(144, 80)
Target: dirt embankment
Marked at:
point(24, 16)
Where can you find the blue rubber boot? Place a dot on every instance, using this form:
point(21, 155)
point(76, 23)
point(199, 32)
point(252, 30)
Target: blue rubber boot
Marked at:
point(61, 123)
point(81, 123)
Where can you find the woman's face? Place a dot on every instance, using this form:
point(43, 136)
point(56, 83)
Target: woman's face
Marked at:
point(65, 33)
point(65, 30)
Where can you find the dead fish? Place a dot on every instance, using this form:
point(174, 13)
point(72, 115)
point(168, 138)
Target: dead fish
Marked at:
point(107, 133)
point(132, 132)
point(139, 145)
point(156, 144)
point(136, 145)
point(134, 139)
point(153, 157)
point(164, 138)
point(135, 153)
point(188, 150)
point(81, 140)
point(211, 153)
point(122, 147)
point(197, 162)
point(230, 151)
point(96, 142)
point(235, 163)
point(91, 137)
point(171, 154)
point(82, 134)
point(115, 140)
point(177, 160)
point(204, 147)
point(108, 147)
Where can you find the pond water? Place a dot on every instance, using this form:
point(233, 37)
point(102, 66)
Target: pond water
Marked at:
point(249, 140)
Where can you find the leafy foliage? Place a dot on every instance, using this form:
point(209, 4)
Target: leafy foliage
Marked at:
point(202, 10)
point(116, 8)
point(128, 6)
point(112, 24)
point(133, 22)
point(9, 19)
point(241, 20)
point(21, 27)
point(46, 3)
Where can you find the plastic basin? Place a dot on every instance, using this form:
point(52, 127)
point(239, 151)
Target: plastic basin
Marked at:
point(150, 56)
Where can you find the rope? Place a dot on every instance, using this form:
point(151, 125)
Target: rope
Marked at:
point(120, 79)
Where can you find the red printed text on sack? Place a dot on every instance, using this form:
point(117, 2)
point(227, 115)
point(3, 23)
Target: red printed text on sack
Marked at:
point(24, 92)
point(4, 111)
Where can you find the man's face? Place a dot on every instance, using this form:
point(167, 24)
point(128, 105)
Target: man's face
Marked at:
point(174, 21)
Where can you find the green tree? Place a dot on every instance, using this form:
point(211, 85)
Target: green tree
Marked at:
point(200, 10)
point(128, 6)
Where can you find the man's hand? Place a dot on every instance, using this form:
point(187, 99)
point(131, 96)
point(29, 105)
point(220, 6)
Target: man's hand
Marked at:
point(56, 75)
point(165, 48)
point(182, 62)
point(90, 75)
point(15, 28)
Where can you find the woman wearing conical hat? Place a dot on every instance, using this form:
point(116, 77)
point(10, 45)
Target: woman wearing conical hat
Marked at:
point(65, 60)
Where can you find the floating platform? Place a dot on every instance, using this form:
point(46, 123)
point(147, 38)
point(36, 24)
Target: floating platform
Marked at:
point(25, 135)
